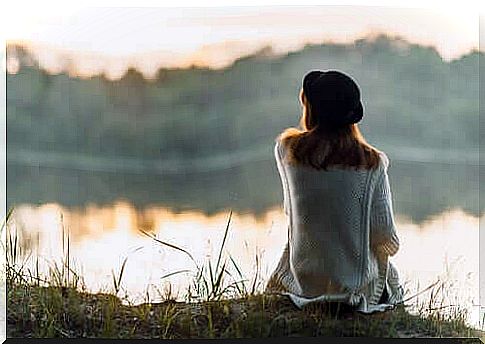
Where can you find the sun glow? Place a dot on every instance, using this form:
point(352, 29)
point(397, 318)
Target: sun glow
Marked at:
point(110, 39)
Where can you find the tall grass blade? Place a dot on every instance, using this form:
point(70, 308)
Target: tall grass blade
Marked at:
point(223, 241)
point(174, 273)
point(253, 287)
point(242, 291)
point(117, 280)
point(421, 292)
point(211, 274)
point(168, 244)
point(218, 283)
point(7, 217)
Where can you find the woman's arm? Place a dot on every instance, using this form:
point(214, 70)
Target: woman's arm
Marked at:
point(383, 228)
point(284, 181)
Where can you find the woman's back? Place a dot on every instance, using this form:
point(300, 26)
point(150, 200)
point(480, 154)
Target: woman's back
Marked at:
point(332, 248)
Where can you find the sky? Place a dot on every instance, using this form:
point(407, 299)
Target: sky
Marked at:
point(147, 36)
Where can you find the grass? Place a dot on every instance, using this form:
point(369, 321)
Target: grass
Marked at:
point(220, 303)
point(57, 312)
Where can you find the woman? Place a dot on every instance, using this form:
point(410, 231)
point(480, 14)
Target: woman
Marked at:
point(337, 199)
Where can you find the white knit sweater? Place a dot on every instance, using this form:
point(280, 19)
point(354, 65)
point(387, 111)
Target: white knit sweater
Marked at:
point(341, 232)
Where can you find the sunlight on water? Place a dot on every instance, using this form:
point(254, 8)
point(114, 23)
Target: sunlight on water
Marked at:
point(445, 247)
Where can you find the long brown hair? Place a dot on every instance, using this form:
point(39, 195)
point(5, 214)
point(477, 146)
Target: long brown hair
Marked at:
point(322, 146)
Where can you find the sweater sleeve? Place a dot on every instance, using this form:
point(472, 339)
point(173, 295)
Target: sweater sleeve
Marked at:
point(383, 229)
point(284, 181)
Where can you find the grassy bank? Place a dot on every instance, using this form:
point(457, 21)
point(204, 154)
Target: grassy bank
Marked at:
point(64, 312)
point(220, 303)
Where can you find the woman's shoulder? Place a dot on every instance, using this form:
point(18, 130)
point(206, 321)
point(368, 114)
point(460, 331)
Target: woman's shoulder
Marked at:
point(383, 160)
point(286, 138)
point(279, 147)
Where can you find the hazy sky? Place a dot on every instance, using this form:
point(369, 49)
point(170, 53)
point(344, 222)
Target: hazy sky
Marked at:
point(110, 38)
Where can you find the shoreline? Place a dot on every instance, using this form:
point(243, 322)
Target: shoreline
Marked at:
point(46, 312)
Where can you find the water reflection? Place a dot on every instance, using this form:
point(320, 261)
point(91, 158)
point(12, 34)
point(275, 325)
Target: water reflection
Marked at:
point(445, 246)
point(245, 182)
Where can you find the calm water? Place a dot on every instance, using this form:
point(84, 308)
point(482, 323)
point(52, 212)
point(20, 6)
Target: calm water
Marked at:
point(444, 247)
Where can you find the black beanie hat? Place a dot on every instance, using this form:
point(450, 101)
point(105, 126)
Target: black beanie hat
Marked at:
point(334, 95)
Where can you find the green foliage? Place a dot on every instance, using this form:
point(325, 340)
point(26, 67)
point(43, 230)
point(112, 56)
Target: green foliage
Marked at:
point(410, 93)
